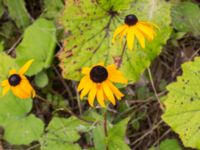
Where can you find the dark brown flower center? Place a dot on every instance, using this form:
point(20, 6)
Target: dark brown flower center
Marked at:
point(14, 80)
point(98, 74)
point(131, 20)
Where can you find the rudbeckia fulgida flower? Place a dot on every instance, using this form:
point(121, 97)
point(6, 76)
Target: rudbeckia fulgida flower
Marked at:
point(132, 28)
point(98, 82)
point(18, 83)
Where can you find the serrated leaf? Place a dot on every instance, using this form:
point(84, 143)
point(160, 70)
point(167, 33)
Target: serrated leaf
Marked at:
point(38, 43)
point(90, 29)
point(14, 116)
point(62, 133)
point(182, 105)
point(185, 17)
point(18, 12)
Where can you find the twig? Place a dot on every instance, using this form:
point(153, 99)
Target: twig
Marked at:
point(147, 133)
point(73, 114)
point(154, 89)
point(160, 138)
point(43, 99)
point(33, 147)
point(14, 45)
point(64, 84)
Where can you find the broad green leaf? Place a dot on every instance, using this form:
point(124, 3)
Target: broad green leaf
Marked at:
point(6, 64)
point(185, 17)
point(41, 79)
point(23, 130)
point(168, 144)
point(14, 116)
point(62, 134)
point(115, 139)
point(38, 43)
point(118, 144)
point(18, 12)
point(182, 105)
point(90, 26)
point(99, 137)
point(52, 8)
point(119, 129)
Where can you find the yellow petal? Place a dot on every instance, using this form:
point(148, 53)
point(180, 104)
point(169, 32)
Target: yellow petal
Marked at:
point(5, 90)
point(19, 93)
point(149, 24)
point(130, 38)
point(108, 93)
point(12, 71)
point(139, 36)
point(4, 83)
point(116, 92)
point(115, 75)
point(24, 90)
point(85, 70)
point(118, 31)
point(86, 89)
point(100, 64)
point(147, 31)
point(122, 34)
point(83, 82)
point(33, 93)
point(92, 95)
point(100, 97)
point(25, 67)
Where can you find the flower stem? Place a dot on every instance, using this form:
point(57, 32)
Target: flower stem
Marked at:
point(105, 126)
point(121, 56)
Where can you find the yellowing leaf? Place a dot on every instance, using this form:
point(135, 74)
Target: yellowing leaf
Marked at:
point(183, 105)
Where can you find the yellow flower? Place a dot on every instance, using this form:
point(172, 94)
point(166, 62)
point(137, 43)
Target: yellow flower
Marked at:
point(97, 82)
point(132, 28)
point(18, 83)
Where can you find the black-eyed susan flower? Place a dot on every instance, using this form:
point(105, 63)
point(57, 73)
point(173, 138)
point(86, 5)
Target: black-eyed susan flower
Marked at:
point(18, 83)
point(97, 82)
point(132, 28)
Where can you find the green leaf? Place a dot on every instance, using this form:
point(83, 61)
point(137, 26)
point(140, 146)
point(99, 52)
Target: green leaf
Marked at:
point(52, 8)
point(18, 12)
point(14, 116)
point(182, 105)
point(118, 144)
point(1, 8)
point(91, 28)
point(62, 133)
point(119, 129)
point(41, 79)
point(38, 43)
point(115, 139)
point(1, 46)
point(185, 16)
point(99, 137)
point(6, 64)
point(167, 144)
point(23, 130)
